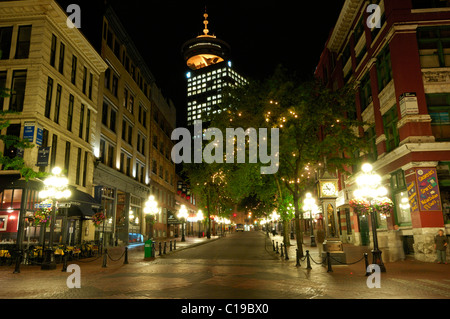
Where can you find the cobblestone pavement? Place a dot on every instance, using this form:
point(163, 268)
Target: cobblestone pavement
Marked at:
point(238, 266)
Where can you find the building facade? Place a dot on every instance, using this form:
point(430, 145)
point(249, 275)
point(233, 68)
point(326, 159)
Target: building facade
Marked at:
point(134, 144)
point(87, 99)
point(399, 62)
point(53, 74)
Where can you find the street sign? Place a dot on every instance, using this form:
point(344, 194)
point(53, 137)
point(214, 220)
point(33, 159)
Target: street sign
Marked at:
point(42, 205)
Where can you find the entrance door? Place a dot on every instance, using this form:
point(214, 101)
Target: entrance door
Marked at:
point(364, 230)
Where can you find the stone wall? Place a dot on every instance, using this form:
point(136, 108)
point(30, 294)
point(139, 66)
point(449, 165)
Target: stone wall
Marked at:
point(424, 244)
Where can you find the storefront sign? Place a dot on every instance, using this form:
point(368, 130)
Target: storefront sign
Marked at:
point(428, 189)
point(408, 104)
point(172, 219)
point(412, 195)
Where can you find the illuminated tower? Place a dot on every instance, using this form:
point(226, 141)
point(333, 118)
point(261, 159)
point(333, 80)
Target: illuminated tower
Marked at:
point(210, 70)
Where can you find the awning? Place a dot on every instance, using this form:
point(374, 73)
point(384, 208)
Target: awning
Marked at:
point(14, 181)
point(80, 204)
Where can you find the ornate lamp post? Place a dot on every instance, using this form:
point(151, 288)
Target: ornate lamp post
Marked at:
point(369, 189)
point(182, 214)
point(55, 188)
point(309, 204)
point(151, 209)
point(275, 218)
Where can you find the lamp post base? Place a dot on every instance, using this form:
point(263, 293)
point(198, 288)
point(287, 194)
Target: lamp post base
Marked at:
point(49, 262)
point(376, 253)
point(313, 241)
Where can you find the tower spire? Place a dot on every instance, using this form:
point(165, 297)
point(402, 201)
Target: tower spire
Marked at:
point(206, 22)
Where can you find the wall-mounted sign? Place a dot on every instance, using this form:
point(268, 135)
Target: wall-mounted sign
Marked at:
point(39, 135)
point(43, 155)
point(412, 195)
point(28, 131)
point(408, 104)
point(428, 189)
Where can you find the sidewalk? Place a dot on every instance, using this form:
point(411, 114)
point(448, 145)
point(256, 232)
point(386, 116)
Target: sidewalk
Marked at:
point(408, 269)
point(353, 253)
point(136, 251)
point(116, 255)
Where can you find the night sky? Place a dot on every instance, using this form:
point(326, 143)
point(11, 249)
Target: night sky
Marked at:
point(262, 35)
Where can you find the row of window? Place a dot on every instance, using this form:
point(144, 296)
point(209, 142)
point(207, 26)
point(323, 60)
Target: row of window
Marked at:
point(107, 157)
point(83, 112)
point(88, 77)
point(120, 52)
point(82, 158)
point(439, 111)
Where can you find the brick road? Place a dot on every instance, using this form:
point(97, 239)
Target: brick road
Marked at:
point(180, 274)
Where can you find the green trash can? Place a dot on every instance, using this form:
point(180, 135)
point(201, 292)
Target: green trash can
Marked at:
point(148, 253)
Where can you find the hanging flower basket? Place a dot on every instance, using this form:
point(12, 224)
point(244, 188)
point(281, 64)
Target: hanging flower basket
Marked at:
point(360, 206)
point(383, 206)
point(98, 218)
point(43, 215)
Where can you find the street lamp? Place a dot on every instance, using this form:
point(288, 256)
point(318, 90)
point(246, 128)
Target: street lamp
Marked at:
point(309, 204)
point(151, 209)
point(369, 189)
point(182, 214)
point(274, 217)
point(55, 188)
point(199, 219)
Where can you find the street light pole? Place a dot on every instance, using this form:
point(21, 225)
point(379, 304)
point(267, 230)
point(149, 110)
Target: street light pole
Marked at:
point(370, 189)
point(309, 204)
point(55, 189)
point(151, 208)
point(182, 214)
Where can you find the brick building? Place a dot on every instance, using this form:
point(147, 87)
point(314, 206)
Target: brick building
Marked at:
point(401, 69)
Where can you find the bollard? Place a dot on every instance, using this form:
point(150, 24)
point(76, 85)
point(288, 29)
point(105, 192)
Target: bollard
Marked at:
point(165, 246)
point(170, 245)
point(366, 259)
point(66, 255)
point(175, 244)
point(308, 261)
point(329, 262)
point(273, 245)
point(277, 248)
point(286, 253)
point(160, 248)
point(282, 255)
point(104, 258)
point(298, 259)
point(125, 262)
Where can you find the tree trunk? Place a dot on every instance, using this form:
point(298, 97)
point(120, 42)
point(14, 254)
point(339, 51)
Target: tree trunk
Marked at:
point(208, 232)
point(286, 238)
point(298, 230)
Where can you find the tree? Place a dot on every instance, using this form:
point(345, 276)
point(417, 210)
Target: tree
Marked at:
point(314, 126)
point(12, 142)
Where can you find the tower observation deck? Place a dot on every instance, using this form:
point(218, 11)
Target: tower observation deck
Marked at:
point(204, 50)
